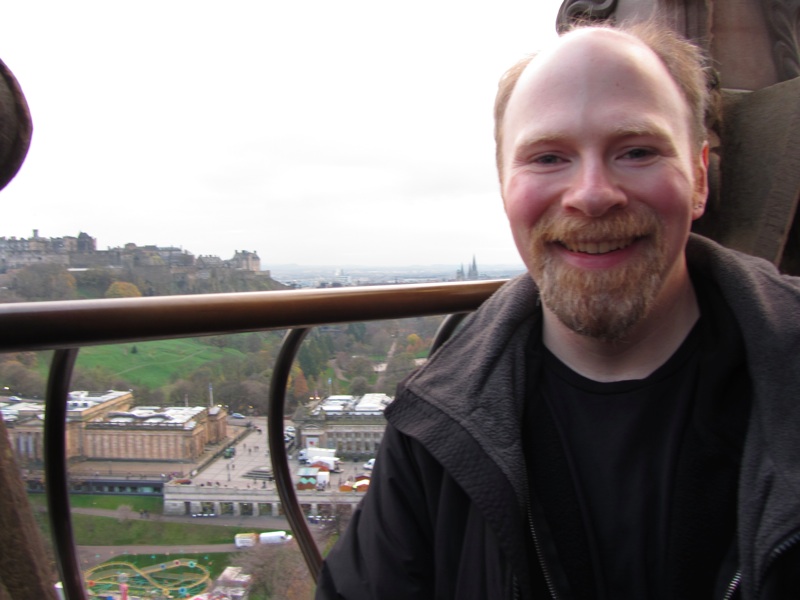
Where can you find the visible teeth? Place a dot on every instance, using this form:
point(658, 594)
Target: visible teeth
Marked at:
point(598, 247)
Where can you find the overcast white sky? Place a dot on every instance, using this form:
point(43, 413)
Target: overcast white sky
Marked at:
point(345, 132)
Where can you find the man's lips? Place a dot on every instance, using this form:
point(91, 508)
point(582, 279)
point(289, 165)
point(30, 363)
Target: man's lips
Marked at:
point(601, 247)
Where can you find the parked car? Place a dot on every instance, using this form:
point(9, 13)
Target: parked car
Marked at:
point(369, 464)
point(238, 416)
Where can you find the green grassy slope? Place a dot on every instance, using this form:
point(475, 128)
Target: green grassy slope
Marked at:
point(152, 364)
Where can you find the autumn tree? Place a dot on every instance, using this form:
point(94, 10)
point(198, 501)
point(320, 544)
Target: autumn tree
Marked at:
point(92, 379)
point(360, 366)
point(380, 341)
point(247, 396)
point(359, 386)
point(340, 516)
point(230, 394)
point(299, 388)
point(314, 354)
point(253, 343)
point(45, 282)
point(399, 366)
point(415, 344)
point(21, 379)
point(93, 283)
point(143, 394)
point(358, 331)
point(255, 393)
point(122, 289)
point(181, 392)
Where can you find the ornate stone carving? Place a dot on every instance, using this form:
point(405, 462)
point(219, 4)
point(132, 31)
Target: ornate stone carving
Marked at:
point(15, 126)
point(577, 10)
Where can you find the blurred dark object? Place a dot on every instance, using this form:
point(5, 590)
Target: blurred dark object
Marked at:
point(15, 126)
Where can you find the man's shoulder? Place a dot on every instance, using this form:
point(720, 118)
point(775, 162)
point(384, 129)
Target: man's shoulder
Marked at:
point(763, 301)
point(736, 271)
point(704, 249)
point(493, 339)
point(495, 321)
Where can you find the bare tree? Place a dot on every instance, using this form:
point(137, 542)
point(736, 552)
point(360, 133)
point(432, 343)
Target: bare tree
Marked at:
point(279, 572)
point(124, 513)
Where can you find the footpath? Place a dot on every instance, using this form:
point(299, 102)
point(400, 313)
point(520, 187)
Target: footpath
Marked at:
point(253, 522)
point(90, 556)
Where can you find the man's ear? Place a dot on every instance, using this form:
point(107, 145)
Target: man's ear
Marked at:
point(700, 183)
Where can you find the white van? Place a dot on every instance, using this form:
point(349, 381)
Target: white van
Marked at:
point(274, 537)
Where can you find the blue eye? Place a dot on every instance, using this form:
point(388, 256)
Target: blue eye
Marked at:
point(548, 159)
point(638, 153)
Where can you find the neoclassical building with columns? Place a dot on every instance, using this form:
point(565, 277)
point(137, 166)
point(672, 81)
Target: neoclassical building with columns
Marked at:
point(108, 426)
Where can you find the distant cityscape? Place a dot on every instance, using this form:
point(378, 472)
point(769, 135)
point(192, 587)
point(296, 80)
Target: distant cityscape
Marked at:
point(80, 253)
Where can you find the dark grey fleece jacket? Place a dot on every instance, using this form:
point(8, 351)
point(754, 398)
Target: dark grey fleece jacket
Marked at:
point(474, 389)
point(447, 512)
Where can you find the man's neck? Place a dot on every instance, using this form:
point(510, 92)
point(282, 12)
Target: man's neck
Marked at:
point(650, 344)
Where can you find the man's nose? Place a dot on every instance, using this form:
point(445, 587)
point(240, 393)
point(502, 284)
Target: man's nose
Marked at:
point(594, 190)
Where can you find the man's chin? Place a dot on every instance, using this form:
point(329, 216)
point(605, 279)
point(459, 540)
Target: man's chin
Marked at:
point(604, 306)
point(612, 327)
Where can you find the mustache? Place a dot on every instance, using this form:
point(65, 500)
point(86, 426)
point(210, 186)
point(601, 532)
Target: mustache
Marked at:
point(623, 225)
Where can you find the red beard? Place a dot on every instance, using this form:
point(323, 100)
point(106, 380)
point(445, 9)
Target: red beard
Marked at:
point(599, 303)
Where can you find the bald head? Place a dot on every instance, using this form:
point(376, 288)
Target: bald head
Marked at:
point(650, 45)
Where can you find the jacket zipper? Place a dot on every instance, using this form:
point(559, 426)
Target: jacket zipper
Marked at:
point(733, 586)
point(537, 547)
point(775, 554)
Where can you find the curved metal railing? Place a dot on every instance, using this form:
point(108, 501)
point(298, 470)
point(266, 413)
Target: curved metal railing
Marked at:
point(69, 325)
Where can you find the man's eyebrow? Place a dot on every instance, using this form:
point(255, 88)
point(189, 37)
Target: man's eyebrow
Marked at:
point(642, 129)
point(626, 129)
point(544, 138)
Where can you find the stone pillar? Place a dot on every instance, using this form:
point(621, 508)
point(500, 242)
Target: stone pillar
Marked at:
point(24, 573)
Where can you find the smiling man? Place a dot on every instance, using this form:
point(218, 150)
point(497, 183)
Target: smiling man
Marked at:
point(602, 174)
point(621, 422)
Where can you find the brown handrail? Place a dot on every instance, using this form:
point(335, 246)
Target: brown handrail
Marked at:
point(71, 324)
point(75, 323)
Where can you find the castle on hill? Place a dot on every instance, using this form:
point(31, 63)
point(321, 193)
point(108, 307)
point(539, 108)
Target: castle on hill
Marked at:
point(81, 253)
point(154, 270)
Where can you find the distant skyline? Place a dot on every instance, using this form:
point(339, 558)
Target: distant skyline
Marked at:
point(290, 266)
point(313, 133)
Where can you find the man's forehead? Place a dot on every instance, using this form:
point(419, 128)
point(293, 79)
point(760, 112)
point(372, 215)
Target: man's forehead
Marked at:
point(594, 81)
point(587, 47)
point(588, 64)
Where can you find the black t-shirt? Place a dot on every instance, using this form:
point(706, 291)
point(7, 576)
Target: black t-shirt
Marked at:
point(621, 441)
point(633, 484)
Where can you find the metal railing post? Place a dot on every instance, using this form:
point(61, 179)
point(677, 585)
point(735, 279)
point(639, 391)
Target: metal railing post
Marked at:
point(277, 451)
